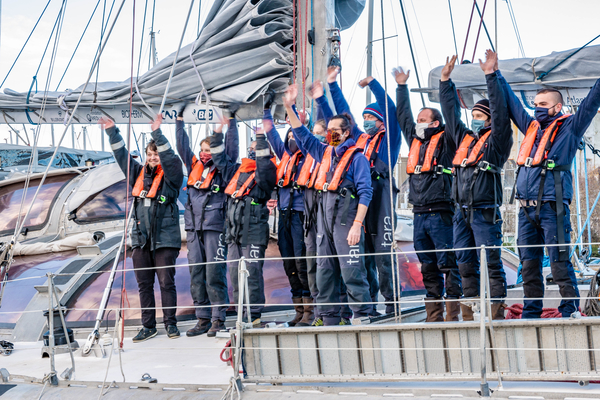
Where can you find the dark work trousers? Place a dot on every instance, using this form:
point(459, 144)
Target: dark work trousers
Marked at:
point(486, 229)
point(256, 282)
point(349, 266)
point(433, 231)
point(142, 258)
point(208, 282)
point(531, 259)
point(378, 239)
point(290, 238)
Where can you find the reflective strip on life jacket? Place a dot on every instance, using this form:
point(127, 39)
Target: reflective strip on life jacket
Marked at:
point(414, 164)
point(340, 170)
point(138, 188)
point(466, 155)
point(196, 179)
point(286, 168)
point(309, 172)
point(525, 157)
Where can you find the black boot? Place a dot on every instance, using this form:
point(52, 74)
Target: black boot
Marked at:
point(217, 325)
point(201, 327)
point(299, 307)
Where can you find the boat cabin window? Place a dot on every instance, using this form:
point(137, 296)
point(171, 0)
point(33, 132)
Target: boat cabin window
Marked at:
point(11, 196)
point(106, 205)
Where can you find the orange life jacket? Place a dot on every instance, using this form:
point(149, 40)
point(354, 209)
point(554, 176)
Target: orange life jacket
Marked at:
point(361, 143)
point(247, 165)
point(414, 164)
point(469, 153)
point(525, 157)
point(138, 188)
point(340, 169)
point(286, 168)
point(197, 177)
point(309, 172)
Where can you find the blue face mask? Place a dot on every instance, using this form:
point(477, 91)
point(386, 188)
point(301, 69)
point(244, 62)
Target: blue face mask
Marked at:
point(322, 139)
point(477, 125)
point(542, 116)
point(370, 127)
point(252, 154)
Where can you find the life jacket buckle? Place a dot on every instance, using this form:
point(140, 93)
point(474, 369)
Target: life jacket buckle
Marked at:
point(483, 165)
point(197, 185)
point(234, 194)
point(162, 200)
point(464, 162)
point(215, 188)
point(528, 162)
point(438, 169)
point(343, 192)
point(549, 164)
point(418, 169)
point(280, 182)
point(143, 194)
point(325, 186)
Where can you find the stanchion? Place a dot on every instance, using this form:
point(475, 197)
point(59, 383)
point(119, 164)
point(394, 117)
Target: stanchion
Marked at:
point(51, 377)
point(485, 387)
point(236, 381)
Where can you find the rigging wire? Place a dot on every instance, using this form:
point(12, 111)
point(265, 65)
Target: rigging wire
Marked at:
point(25, 44)
point(462, 58)
point(420, 33)
point(484, 26)
point(137, 75)
point(152, 54)
point(479, 29)
point(453, 32)
point(77, 47)
point(102, 32)
point(411, 51)
point(513, 19)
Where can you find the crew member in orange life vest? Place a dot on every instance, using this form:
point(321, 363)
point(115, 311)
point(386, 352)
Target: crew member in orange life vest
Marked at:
point(247, 218)
point(544, 186)
point(155, 236)
point(345, 181)
point(430, 178)
point(205, 227)
point(480, 156)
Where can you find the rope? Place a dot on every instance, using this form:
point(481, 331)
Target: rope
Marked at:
point(592, 303)
point(484, 26)
point(395, 277)
point(479, 30)
point(452, 23)
point(544, 74)
point(137, 75)
point(462, 58)
point(25, 44)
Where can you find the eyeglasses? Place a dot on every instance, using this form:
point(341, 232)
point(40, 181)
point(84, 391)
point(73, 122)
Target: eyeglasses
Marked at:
point(333, 130)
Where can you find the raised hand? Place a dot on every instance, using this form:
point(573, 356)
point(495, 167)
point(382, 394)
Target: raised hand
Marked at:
point(156, 123)
point(289, 98)
point(365, 82)
point(222, 122)
point(316, 90)
point(448, 68)
point(400, 76)
point(267, 125)
point(491, 62)
point(106, 123)
point(332, 73)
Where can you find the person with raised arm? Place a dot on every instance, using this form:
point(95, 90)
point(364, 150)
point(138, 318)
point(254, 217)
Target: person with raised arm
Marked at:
point(155, 235)
point(346, 184)
point(429, 168)
point(247, 220)
point(477, 187)
point(205, 226)
point(544, 187)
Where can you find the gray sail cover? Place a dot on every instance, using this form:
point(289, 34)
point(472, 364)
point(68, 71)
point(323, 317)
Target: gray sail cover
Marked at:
point(243, 50)
point(574, 77)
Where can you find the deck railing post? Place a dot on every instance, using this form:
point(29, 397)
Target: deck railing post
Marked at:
point(239, 337)
point(52, 378)
point(485, 388)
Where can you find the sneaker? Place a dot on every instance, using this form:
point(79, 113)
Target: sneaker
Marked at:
point(172, 332)
point(202, 326)
point(345, 321)
point(216, 327)
point(317, 322)
point(145, 334)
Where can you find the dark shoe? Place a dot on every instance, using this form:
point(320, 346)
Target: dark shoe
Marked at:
point(317, 322)
point(345, 321)
point(202, 326)
point(435, 310)
point(216, 327)
point(309, 315)
point(452, 309)
point(498, 310)
point(467, 312)
point(145, 334)
point(231, 109)
point(173, 332)
point(389, 308)
point(299, 307)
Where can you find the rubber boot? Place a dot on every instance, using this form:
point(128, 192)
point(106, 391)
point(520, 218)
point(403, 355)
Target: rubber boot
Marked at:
point(299, 311)
point(309, 315)
point(435, 311)
point(467, 312)
point(498, 310)
point(452, 309)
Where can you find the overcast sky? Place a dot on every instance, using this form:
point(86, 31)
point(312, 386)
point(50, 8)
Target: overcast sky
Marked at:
point(545, 26)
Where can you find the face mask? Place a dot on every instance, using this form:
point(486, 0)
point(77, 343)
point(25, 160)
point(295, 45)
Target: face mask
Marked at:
point(477, 125)
point(292, 145)
point(322, 139)
point(205, 157)
point(252, 154)
point(420, 130)
point(334, 138)
point(370, 127)
point(542, 116)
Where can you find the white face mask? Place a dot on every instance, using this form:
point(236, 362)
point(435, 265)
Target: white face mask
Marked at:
point(420, 130)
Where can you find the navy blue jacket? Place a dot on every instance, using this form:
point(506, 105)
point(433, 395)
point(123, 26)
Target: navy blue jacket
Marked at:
point(341, 106)
point(496, 152)
point(205, 209)
point(147, 227)
point(358, 172)
point(563, 150)
point(280, 147)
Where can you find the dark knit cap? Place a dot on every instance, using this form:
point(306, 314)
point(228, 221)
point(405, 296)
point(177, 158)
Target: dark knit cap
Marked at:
point(483, 106)
point(374, 110)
